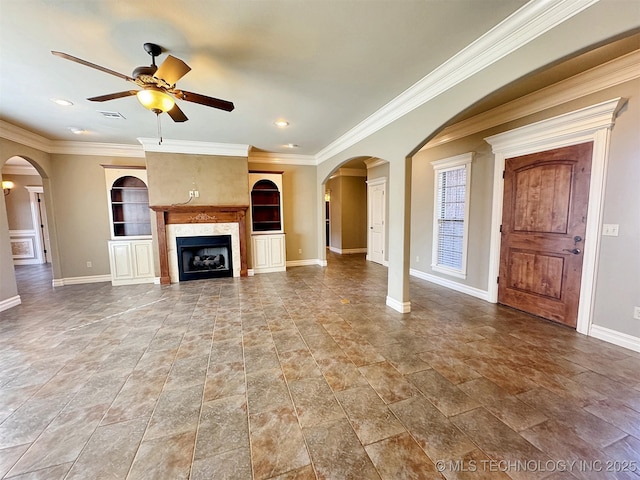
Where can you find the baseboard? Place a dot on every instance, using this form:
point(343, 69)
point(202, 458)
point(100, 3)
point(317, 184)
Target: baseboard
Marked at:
point(615, 337)
point(137, 281)
point(402, 307)
point(458, 287)
point(61, 282)
point(32, 261)
point(304, 263)
point(10, 303)
point(348, 251)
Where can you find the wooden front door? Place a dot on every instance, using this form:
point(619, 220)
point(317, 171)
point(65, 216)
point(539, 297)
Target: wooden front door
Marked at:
point(544, 218)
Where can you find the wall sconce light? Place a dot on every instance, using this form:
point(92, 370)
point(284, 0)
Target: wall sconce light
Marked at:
point(7, 186)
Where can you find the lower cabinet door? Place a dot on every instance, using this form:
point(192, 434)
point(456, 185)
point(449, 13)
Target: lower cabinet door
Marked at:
point(131, 262)
point(269, 253)
point(120, 260)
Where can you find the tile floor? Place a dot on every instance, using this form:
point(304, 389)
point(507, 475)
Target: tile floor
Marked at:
point(302, 375)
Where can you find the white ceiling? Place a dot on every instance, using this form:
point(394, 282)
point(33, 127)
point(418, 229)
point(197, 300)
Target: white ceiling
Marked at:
point(324, 66)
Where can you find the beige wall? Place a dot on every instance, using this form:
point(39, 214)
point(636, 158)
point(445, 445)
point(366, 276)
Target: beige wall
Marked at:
point(299, 194)
point(348, 212)
point(220, 180)
point(18, 201)
point(334, 186)
point(354, 213)
point(81, 211)
point(618, 284)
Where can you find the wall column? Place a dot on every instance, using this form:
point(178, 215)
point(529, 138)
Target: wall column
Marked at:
point(398, 246)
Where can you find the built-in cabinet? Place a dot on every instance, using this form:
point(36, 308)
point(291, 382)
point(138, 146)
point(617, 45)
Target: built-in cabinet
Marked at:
point(267, 229)
point(131, 261)
point(130, 247)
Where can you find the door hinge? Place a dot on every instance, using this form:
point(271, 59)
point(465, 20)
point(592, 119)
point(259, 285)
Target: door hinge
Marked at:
point(498, 280)
point(500, 228)
point(502, 173)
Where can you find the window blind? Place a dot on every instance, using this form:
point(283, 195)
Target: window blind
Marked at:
point(451, 208)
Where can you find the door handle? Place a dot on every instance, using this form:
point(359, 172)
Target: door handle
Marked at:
point(575, 251)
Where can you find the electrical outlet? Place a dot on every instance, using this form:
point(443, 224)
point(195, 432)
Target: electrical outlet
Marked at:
point(610, 229)
point(299, 250)
point(196, 193)
point(636, 313)
point(89, 264)
point(417, 259)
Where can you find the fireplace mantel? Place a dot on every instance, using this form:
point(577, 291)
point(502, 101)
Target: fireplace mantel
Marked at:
point(184, 214)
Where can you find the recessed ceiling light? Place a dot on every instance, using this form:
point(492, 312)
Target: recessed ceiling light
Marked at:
point(281, 123)
point(61, 101)
point(77, 130)
point(292, 145)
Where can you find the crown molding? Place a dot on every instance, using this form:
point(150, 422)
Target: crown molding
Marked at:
point(580, 122)
point(374, 162)
point(20, 135)
point(349, 172)
point(282, 158)
point(526, 24)
point(599, 78)
point(194, 148)
point(19, 170)
point(24, 137)
point(97, 149)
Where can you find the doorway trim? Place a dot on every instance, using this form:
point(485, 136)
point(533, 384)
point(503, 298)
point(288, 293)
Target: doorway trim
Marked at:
point(39, 219)
point(589, 124)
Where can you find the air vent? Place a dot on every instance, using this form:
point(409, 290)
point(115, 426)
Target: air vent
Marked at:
point(112, 114)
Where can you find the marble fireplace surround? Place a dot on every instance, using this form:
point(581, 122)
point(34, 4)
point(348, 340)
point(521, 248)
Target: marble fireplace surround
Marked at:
point(194, 220)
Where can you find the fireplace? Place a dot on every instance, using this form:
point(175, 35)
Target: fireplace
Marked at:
point(204, 257)
point(173, 221)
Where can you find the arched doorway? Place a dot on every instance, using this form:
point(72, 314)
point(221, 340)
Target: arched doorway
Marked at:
point(27, 224)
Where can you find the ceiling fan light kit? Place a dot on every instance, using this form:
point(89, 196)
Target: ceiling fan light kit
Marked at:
point(155, 100)
point(158, 85)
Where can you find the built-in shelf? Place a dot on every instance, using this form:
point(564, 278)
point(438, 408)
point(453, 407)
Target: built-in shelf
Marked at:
point(266, 206)
point(130, 208)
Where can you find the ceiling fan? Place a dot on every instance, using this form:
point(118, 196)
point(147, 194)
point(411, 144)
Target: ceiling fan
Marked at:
point(158, 85)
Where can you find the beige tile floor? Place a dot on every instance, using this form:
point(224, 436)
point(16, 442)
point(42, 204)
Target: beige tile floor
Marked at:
point(302, 375)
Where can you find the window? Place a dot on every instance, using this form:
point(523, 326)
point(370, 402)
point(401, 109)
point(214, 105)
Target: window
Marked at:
point(451, 213)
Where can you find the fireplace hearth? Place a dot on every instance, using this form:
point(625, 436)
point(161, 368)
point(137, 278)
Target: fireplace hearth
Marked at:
point(204, 257)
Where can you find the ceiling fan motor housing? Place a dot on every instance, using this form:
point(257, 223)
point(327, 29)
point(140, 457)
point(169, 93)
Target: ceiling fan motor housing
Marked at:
point(145, 74)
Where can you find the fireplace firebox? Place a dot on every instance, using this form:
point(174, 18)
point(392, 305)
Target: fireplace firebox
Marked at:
point(204, 257)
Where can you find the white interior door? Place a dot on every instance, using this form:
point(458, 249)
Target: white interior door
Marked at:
point(376, 193)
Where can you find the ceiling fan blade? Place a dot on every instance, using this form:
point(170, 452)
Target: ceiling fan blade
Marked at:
point(172, 70)
point(92, 65)
point(203, 100)
point(176, 114)
point(113, 96)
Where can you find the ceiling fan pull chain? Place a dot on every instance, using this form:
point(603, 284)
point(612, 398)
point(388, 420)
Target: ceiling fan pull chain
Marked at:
point(159, 129)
